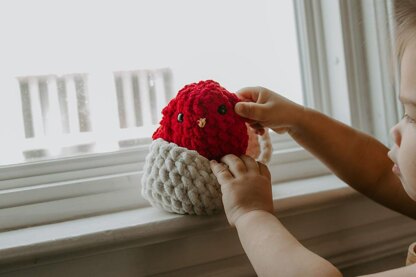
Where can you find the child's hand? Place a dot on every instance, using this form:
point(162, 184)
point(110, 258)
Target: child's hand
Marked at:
point(264, 108)
point(245, 186)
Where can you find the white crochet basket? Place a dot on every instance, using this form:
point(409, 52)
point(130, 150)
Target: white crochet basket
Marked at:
point(180, 181)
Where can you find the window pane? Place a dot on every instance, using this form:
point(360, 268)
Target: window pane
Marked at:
point(91, 76)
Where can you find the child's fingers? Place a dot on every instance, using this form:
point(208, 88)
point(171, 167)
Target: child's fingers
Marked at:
point(249, 110)
point(250, 121)
point(249, 94)
point(264, 170)
point(250, 163)
point(221, 171)
point(235, 164)
point(281, 130)
point(260, 131)
point(257, 127)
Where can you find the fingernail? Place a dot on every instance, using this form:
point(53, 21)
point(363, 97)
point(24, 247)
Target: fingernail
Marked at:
point(213, 162)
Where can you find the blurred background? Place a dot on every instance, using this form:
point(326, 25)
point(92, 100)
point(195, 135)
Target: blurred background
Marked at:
point(79, 78)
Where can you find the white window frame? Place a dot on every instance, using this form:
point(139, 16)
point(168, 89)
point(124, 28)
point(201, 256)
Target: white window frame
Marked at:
point(58, 190)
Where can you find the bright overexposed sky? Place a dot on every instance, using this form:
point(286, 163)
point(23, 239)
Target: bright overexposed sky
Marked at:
point(236, 42)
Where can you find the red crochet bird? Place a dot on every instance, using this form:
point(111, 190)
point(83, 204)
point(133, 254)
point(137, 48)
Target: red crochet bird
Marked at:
point(201, 117)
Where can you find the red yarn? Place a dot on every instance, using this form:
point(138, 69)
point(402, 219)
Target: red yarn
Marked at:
point(224, 132)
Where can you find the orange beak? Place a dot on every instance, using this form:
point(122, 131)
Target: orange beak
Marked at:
point(201, 122)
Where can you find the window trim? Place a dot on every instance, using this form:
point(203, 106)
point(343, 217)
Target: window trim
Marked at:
point(368, 101)
point(373, 88)
point(313, 60)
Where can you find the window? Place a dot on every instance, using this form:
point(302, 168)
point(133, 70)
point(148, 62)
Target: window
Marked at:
point(78, 78)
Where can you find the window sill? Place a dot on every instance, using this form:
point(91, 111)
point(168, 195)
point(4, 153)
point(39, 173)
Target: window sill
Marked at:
point(323, 213)
point(103, 183)
point(150, 225)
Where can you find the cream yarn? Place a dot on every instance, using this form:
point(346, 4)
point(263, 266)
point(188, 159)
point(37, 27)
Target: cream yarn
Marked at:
point(179, 180)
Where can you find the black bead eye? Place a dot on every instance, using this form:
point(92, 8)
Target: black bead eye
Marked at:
point(222, 109)
point(180, 117)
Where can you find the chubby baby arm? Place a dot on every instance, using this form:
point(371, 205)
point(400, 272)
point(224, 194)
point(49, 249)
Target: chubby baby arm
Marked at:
point(248, 204)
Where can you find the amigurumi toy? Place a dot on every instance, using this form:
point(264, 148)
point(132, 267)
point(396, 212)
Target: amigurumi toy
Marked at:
point(198, 125)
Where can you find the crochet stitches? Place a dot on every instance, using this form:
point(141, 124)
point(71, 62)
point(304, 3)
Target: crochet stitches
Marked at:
point(198, 125)
point(201, 117)
point(180, 181)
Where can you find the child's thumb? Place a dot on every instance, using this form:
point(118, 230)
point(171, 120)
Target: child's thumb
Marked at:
point(247, 110)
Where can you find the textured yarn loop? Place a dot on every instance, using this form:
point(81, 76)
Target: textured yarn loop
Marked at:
point(198, 125)
point(182, 182)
